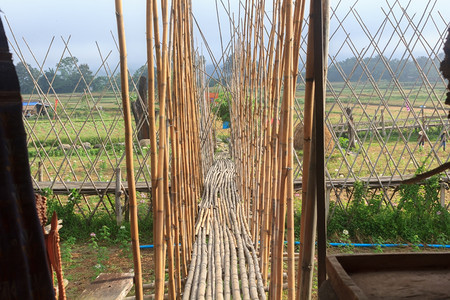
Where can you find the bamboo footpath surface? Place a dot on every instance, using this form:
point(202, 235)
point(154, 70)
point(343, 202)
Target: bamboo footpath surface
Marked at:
point(224, 262)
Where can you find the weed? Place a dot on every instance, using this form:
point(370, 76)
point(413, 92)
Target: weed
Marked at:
point(66, 249)
point(102, 254)
point(343, 142)
point(123, 239)
point(105, 234)
point(378, 242)
point(417, 215)
point(345, 239)
point(415, 243)
point(47, 192)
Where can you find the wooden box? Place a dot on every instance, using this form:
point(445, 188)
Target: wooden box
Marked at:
point(390, 276)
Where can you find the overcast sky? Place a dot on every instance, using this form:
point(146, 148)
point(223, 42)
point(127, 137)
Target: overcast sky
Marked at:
point(91, 21)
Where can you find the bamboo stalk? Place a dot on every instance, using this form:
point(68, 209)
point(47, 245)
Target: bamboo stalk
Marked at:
point(129, 151)
point(303, 285)
point(163, 66)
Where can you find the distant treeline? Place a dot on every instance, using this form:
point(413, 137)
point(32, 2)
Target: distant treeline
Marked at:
point(381, 68)
point(354, 69)
point(68, 76)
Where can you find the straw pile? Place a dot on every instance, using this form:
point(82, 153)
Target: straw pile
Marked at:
point(298, 138)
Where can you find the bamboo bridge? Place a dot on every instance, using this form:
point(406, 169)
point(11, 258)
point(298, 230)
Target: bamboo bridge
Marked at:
point(224, 260)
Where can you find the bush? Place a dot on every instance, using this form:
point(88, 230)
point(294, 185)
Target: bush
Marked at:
point(417, 217)
point(343, 142)
point(76, 226)
point(222, 108)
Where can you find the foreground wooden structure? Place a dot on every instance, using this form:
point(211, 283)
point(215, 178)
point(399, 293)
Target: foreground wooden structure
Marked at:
point(25, 269)
point(410, 276)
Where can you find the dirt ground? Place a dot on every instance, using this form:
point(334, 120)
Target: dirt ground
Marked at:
point(81, 270)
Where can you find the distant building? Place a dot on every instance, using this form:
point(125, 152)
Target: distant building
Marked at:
point(31, 108)
point(213, 96)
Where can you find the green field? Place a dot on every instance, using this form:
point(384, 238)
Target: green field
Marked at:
point(97, 119)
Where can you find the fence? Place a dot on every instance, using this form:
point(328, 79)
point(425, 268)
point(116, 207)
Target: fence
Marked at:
point(384, 107)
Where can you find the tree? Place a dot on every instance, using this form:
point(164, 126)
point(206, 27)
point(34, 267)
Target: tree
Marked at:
point(67, 66)
point(81, 83)
point(99, 83)
point(26, 74)
point(50, 77)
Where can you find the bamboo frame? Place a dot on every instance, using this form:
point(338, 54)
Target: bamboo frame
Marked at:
point(129, 152)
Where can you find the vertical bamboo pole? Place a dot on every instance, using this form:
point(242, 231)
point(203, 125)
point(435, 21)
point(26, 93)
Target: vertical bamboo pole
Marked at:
point(129, 152)
point(321, 42)
point(304, 269)
point(118, 193)
point(175, 195)
point(265, 236)
point(275, 259)
point(151, 100)
point(163, 65)
point(168, 228)
point(286, 168)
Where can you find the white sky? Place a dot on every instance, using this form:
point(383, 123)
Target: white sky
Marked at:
point(90, 21)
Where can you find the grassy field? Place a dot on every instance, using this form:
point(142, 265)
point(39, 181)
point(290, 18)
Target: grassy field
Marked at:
point(97, 119)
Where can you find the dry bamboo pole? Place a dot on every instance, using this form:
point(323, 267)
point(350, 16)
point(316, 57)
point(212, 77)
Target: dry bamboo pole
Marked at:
point(297, 28)
point(198, 264)
point(176, 184)
point(276, 85)
point(218, 260)
point(285, 154)
point(151, 99)
point(236, 293)
point(196, 159)
point(163, 66)
point(265, 236)
point(322, 21)
point(129, 152)
point(185, 192)
point(174, 199)
point(178, 159)
point(304, 270)
point(227, 264)
point(168, 228)
point(203, 267)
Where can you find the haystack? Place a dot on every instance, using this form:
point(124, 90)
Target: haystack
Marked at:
point(298, 138)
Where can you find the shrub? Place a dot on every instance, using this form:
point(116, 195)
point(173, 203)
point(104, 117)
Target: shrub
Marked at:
point(417, 217)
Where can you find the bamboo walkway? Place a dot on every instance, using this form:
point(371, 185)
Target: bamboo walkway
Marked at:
point(224, 262)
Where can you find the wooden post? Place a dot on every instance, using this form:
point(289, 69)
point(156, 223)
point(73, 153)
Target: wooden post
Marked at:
point(442, 194)
point(40, 172)
point(119, 217)
point(351, 132)
point(327, 201)
point(139, 107)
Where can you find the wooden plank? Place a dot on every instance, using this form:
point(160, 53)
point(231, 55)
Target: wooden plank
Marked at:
point(102, 187)
point(88, 188)
point(109, 286)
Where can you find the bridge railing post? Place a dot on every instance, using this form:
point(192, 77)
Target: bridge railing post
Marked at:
point(118, 206)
